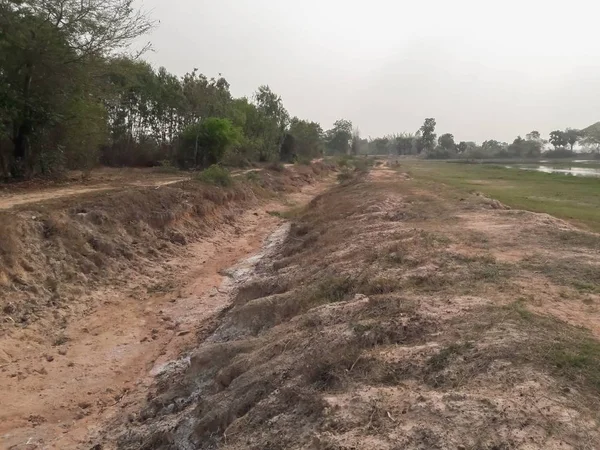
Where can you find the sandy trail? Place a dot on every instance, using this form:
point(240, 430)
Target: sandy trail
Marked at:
point(58, 396)
point(139, 178)
point(11, 200)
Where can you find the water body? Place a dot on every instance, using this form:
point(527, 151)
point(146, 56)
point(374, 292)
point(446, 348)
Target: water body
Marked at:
point(576, 171)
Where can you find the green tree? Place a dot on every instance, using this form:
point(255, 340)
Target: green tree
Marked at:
point(204, 143)
point(381, 146)
point(204, 97)
point(271, 122)
point(49, 50)
point(405, 143)
point(339, 137)
point(523, 148)
point(308, 138)
point(558, 139)
point(493, 148)
point(428, 136)
point(287, 152)
point(446, 141)
point(572, 136)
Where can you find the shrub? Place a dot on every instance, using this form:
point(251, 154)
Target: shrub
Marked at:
point(345, 176)
point(344, 161)
point(166, 166)
point(234, 158)
point(216, 175)
point(304, 160)
point(363, 165)
point(253, 175)
point(559, 153)
point(206, 142)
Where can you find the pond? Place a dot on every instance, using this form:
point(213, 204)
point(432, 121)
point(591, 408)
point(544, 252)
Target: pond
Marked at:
point(576, 171)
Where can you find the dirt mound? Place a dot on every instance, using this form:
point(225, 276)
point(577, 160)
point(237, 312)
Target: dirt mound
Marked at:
point(386, 320)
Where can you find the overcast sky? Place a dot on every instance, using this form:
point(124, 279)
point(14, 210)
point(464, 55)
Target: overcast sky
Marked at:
point(483, 70)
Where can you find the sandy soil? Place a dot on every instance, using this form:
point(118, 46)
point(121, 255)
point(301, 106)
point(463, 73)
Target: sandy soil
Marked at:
point(57, 396)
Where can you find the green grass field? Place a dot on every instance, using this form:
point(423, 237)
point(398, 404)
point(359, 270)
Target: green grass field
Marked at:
point(572, 198)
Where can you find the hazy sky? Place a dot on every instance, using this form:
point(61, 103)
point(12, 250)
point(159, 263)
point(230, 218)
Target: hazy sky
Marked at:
point(482, 69)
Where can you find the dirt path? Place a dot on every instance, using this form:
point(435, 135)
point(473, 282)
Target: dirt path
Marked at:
point(105, 180)
point(11, 200)
point(57, 396)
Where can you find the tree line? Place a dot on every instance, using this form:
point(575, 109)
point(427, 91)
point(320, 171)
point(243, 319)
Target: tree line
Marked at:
point(72, 95)
point(426, 142)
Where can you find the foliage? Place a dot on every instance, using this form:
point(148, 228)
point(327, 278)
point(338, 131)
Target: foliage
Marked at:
point(204, 143)
point(345, 176)
point(446, 141)
point(70, 97)
point(381, 146)
point(50, 54)
point(558, 139)
point(269, 122)
point(216, 175)
point(339, 137)
point(493, 147)
point(522, 148)
point(427, 139)
point(287, 152)
point(308, 138)
point(440, 153)
point(572, 136)
point(559, 153)
point(405, 144)
point(166, 166)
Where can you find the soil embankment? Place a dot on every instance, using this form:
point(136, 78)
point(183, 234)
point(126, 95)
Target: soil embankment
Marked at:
point(99, 291)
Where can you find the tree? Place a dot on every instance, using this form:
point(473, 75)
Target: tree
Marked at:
point(523, 148)
point(572, 136)
point(428, 136)
point(270, 122)
point(493, 148)
point(338, 138)
point(558, 139)
point(204, 97)
point(287, 152)
point(49, 53)
point(381, 145)
point(533, 136)
point(308, 137)
point(204, 143)
point(446, 141)
point(462, 147)
point(405, 143)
